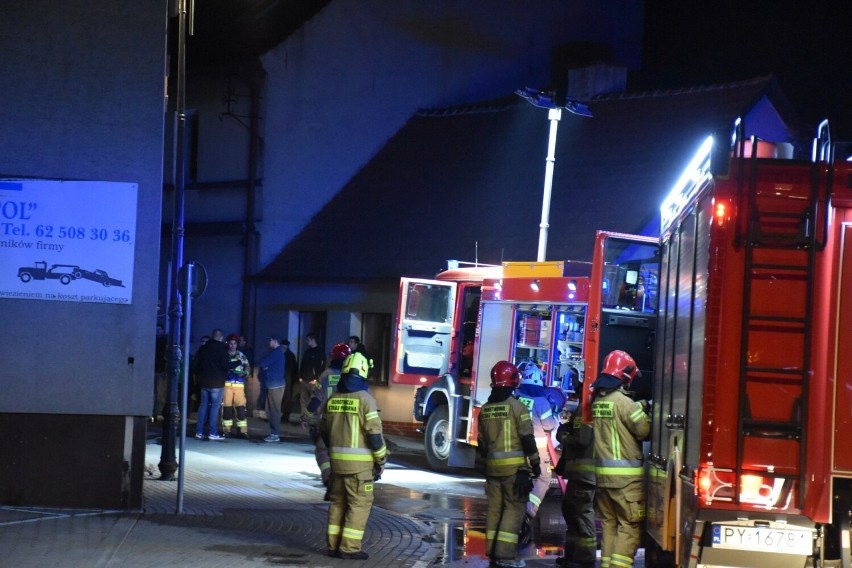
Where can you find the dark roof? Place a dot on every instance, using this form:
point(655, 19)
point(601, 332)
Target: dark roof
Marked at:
point(456, 182)
point(227, 30)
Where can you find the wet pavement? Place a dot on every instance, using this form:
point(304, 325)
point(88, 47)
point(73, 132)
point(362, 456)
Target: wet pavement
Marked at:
point(250, 503)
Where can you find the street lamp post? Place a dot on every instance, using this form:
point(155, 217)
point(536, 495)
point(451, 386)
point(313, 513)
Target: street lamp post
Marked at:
point(168, 463)
point(554, 115)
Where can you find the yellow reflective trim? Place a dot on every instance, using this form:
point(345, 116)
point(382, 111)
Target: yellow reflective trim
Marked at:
point(535, 500)
point(351, 457)
point(371, 415)
point(619, 471)
point(334, 530)
point(353, 534)
point(337, 405)
point(368, 487)
point(507, 461)
point(507, 537)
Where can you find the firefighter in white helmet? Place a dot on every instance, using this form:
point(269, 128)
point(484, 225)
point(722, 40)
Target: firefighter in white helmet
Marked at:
point(620, 426)
point(506, 443)
point(532, 393)
point(352, 431)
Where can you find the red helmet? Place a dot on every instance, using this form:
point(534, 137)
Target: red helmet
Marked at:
point(621, 366)
point(505, 374)
point(340, 351)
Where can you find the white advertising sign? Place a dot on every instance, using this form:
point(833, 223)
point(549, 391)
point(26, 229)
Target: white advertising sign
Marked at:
point(67, 241)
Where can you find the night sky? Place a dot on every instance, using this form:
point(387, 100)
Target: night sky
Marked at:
point(806, 45)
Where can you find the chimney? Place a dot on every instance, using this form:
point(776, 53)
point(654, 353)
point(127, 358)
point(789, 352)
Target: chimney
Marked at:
point(585, 83)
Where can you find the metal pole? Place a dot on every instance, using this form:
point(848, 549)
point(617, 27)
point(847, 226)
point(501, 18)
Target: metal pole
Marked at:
point(554, 115)
point(168, 463)
point(190, 278)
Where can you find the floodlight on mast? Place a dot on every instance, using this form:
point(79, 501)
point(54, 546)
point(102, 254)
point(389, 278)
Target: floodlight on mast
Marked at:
point(545, 99)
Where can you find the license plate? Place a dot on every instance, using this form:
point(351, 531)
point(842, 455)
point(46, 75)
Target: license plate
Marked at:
point(763, 539)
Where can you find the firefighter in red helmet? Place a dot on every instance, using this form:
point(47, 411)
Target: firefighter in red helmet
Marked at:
point(620, 426)
point(319, 394)
point(506, 445)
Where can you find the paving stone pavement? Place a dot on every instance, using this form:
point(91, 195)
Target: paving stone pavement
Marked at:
point(244, 502)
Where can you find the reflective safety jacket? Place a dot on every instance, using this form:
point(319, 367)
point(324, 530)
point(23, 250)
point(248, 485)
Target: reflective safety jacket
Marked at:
point(577, 440)
point(237, 375)
point(506, 437)
point(353, 429)
point(543, 419)
point(620, 426)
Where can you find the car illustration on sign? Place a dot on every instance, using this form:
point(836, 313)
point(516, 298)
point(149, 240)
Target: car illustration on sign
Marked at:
point(65, 273)
point(102, 277)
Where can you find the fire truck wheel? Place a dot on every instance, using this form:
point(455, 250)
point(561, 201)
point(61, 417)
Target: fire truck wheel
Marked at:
point(437, 441)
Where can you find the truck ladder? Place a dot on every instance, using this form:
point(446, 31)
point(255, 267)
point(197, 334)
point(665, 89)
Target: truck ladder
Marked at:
point(462, 420)
point(779, 242)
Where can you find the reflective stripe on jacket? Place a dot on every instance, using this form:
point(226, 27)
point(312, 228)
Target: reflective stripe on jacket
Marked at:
point(620, 426)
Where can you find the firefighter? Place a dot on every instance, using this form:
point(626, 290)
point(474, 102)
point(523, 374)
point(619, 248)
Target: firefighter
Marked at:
point(506, 444)
point(577, 467)
point(352, 431)
point(320, 392)
point(234, 401)
point(620, 426)
point(544, 421)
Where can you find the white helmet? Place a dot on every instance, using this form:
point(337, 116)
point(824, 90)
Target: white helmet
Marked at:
point(531, 375)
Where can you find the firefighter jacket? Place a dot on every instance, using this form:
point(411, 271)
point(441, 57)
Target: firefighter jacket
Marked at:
point(237, 375)
point(505, 437)
point(577, 440)
point(353, 431)
point(620, 426)
point(541, 410)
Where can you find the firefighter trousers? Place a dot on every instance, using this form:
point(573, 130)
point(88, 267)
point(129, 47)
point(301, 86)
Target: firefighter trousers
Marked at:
point(541, 485)
point(504, 518)
point(234, 400)
point(321, 454)
point(578, 510)
point(351, 502)
point(622, 511)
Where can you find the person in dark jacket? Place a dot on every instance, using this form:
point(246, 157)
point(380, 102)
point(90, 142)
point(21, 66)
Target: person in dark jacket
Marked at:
point(273, 364)
point(291, 372)
point(212, 364)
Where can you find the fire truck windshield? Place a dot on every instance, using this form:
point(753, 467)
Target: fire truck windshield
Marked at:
point(631, 276)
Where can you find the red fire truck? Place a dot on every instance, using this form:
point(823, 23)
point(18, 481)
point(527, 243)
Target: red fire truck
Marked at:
point(750, 460)
point(558, 315)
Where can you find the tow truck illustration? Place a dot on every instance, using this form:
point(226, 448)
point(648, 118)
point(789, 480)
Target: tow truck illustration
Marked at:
point(65, 273)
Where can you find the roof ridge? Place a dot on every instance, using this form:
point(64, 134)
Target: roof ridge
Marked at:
point(684, 90)
point(505, 103)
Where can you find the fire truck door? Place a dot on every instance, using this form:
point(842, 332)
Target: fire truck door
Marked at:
point(635, 334)
point(493, 344)
point(843, 397)
point(425, 327)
